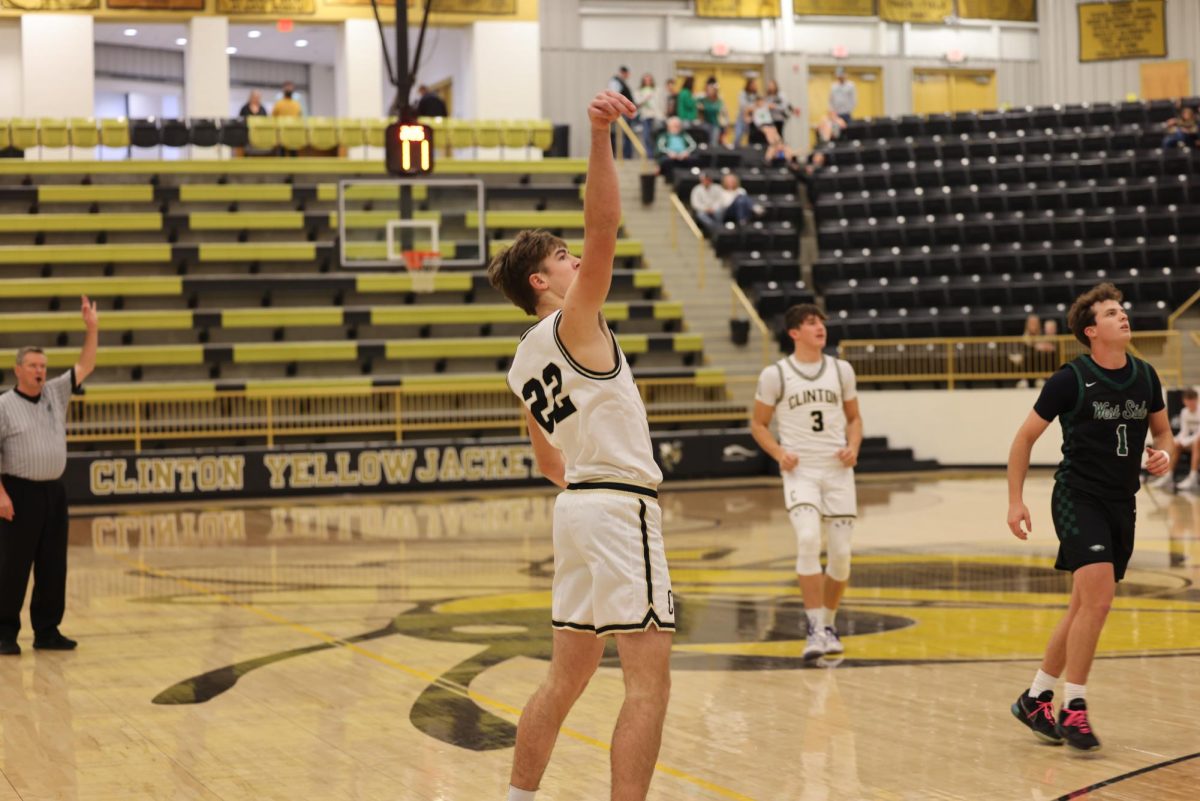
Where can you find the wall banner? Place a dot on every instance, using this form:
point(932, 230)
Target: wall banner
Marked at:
point(747, 9)
point(322, 469)
point(1014, 10)
point(1122, 30)
point(834, 8)
point(925, 12)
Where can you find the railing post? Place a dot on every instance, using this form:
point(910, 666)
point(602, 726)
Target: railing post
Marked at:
point(137, 426)
point(270, 401)
point(397, 405)
point(949, 365)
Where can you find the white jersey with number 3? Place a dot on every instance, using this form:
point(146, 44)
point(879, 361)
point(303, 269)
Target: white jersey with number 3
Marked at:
point(809, 401)
point(596, 419)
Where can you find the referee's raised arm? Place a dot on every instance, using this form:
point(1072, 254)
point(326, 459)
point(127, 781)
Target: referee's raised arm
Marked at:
point(91, 340)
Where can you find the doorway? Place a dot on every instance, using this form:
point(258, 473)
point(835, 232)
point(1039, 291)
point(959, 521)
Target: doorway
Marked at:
point(1166, 80)
point(937, 91)
point(868, 85)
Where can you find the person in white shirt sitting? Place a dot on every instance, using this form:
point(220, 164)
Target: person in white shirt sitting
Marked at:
point(1188, 439)
point(708, 202)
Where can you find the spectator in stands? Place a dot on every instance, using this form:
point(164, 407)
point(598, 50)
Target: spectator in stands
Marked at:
point(806, 173)
point(646, 98)
point(843, 96)
point(287, 105)
point(781, 109)
point(1182, 130)
point(674, 146)
point(1024, 356)
point(429, 104)
point(619, 83)
point(745, 104)
point(779, 154)
point(672, 99)
point(685, 107)
point(253, 106)
point(830, 127)
point(762, 120)
point(1046, 349)
point(738, 206)
point(712, 109)
point(707, 202)
point(1188, 439)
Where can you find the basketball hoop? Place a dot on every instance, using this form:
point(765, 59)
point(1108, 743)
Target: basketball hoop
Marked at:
point(416, 261)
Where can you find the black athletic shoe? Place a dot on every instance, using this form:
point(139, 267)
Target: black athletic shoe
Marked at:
point(9, 648)
point(54, 642)
point(1073, 726)
point(1038, 715)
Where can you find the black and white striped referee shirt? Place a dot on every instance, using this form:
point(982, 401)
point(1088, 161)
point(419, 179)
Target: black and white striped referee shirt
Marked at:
point(33, 431)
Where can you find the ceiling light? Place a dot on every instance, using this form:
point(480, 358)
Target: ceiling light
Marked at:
point(181, 41)
point(254, 34)
point(229, 51)
point(131, 31)
point(301, 43)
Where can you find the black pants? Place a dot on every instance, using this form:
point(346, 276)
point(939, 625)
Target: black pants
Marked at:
point(35, 538)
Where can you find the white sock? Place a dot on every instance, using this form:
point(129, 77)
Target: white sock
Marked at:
point(814, 619)
point(1041, 682)
point(1073, 691)
point(515, 794)
point(830, 617)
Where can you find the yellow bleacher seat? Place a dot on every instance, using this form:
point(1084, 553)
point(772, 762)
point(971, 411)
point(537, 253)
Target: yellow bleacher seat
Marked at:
point(350, 133)
point(24, 134)
point(487, 133)
point(52, 132)
point(322, 135)
point(114, 133)
point(515, 133)
point(292, 133)
point(438, 126)
point(84, 132)
point(543, 134)
point(375, 130)
point(5, 135)
point(264, 132)
point(461, 133)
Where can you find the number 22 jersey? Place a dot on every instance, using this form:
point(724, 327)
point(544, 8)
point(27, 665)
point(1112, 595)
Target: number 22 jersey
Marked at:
point(597, 419)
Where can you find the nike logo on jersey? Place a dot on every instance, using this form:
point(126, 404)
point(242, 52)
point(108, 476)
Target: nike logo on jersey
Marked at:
point(1090, 385)
point(1097, 548)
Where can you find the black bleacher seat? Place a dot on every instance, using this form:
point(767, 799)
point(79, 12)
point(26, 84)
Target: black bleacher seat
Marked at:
point(145, 133)
point(175, 133)
point(235, 133)
point(204, 133)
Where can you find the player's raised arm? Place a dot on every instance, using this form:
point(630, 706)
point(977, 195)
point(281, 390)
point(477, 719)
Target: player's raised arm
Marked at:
point(1018, 467)
point(601, 215)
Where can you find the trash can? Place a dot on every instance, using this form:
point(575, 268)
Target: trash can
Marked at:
point(739, 331)
point(648, 181)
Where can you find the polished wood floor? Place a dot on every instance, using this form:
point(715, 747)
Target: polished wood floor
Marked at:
point(382, 649)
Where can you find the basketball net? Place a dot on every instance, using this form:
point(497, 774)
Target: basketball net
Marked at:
point(422, 266)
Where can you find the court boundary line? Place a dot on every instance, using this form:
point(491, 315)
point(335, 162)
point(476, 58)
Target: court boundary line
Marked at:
point(1080, 793)
point(449, 686)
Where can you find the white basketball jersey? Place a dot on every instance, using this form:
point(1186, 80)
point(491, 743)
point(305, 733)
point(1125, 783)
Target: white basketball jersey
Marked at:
point(596, 419)
point(809, 406)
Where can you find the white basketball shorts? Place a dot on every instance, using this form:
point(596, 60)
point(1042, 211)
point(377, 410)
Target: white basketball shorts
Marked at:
point(610, 566)
point(827, 486)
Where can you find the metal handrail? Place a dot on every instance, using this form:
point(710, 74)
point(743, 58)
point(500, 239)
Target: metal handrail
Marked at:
point(739, 297)
point(1187, 304)
point(624, 129)
point(701, 242)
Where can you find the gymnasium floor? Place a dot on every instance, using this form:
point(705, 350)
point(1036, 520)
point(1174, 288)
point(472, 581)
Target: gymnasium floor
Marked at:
point(325, 649)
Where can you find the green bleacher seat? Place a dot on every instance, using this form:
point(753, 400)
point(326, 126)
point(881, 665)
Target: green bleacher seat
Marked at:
point(234, 193)
point(514, 133)
point(5, 135)
point(293, 135)
point(35, 223)
point(461, 133)
point(542, 132)
point(52, 132)
point(351, 133)
point(322, 133)
point(487, 133)
point(375, 130)
point(264, 132)
point(24, 133)
point(95, 193)
point(83, 132)
point(114, 132)
point(84, 254)
point(245, 220)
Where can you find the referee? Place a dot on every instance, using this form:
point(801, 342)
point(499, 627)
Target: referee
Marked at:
point(33, 500)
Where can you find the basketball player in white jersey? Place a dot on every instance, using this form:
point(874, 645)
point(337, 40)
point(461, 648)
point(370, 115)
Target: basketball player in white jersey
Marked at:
point(820, 433)
point(590, 436)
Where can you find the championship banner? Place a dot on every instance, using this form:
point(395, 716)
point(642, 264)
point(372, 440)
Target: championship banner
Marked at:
point(744, 9)
point(50, 5)
point(834, 8)
point(157, 5)
point(284, 8)
point(402, 467)
point(1014, 10)
point(1122, 30)
point(926, 12)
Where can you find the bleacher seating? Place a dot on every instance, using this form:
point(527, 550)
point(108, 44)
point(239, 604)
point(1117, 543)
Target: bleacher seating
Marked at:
point(961, 225)
point(221, 276)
